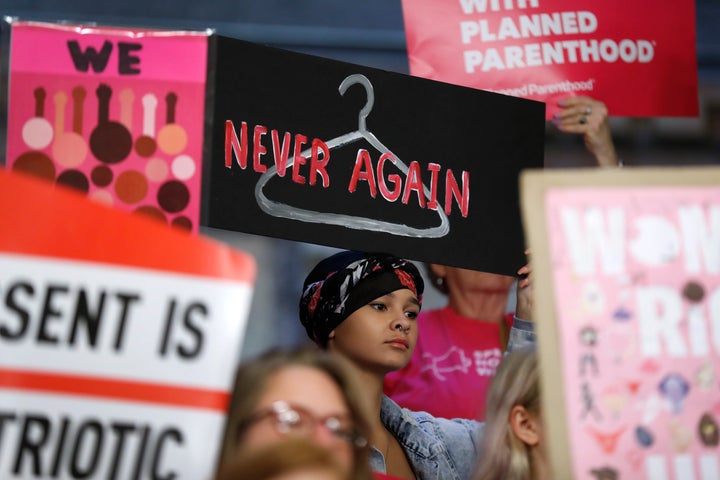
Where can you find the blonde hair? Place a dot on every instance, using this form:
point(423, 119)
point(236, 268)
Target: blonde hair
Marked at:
point(503, 455)
point(253, 377)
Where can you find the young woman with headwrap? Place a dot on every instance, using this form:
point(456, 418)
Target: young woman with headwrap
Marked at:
point(363, 306)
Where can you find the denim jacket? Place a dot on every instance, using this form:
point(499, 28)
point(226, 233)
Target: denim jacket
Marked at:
point(439, 448)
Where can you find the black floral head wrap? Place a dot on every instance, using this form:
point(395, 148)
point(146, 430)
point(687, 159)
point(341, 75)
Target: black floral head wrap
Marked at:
point(346, 281)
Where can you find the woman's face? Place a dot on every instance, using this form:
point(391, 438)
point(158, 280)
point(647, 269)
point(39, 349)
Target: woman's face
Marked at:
point(381, 335)
point(316, 397)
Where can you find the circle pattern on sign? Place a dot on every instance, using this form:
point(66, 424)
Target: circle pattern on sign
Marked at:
point(156, 170)
point(103, 196)
point(152, 212)
point(74, 179)
point(183, 167)
point(102, 175)
point(131, 186)
point(173, 196)
point(116, 160)
point(35, 163)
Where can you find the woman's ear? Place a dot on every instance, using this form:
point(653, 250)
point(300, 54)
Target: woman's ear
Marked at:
point(331, 334)
point(524, 425)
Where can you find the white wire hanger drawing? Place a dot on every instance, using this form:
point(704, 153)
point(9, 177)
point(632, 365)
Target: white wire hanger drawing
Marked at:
point(282, 210)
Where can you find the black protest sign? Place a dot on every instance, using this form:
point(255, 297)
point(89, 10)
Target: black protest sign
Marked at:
point(315, 150)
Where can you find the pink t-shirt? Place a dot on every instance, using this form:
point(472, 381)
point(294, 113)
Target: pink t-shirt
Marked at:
point(450, 371)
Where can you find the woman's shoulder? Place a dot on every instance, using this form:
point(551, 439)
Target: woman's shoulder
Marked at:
point(456, 440)
point(434, 426)
point(452, 425)
point(392, 411)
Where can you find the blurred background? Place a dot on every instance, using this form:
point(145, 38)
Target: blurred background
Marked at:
point(371, 33)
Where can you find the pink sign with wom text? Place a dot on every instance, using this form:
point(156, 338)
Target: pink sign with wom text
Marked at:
point(636, 275)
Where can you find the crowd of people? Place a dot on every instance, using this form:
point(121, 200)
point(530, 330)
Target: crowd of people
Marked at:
point(370, 400)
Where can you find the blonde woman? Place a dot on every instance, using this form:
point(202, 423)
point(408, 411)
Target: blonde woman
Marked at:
point(513, 447)
point(304, 394)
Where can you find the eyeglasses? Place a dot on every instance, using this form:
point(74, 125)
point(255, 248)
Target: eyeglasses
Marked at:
point(295, 420)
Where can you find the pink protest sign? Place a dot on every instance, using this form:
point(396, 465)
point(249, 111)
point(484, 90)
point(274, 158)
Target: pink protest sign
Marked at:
point(115, 113)
point(637, 57)
point(627, 267)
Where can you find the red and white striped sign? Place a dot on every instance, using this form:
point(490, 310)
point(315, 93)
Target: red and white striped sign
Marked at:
point(119, 339)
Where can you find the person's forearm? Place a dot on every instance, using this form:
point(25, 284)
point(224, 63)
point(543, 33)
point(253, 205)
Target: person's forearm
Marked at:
point(606, 156)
